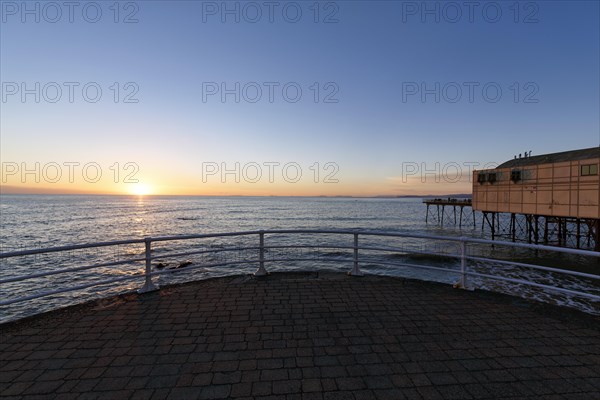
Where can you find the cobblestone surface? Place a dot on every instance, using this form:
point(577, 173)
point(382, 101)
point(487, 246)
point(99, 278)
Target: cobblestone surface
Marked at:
point(303, 336)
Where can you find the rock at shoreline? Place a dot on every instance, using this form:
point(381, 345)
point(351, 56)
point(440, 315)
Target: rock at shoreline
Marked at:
point(184, 264)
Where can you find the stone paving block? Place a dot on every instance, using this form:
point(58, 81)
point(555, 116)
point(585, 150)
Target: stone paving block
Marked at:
point(221, 378)
point(270, 363)
point(274, 375)
point(311, 385)
point(286, 387)
point(350, 384)
point(241, 390)
point(185, 393)
point(340, 395)
point(312, 396)
point(261, 388)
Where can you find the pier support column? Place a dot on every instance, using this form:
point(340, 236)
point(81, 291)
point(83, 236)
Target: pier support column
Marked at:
point(513, 226)
point(595, 228)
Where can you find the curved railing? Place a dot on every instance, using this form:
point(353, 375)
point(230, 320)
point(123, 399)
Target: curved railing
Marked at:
point(260, 247)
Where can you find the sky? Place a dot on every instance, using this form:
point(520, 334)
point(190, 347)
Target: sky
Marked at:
point(305, 98)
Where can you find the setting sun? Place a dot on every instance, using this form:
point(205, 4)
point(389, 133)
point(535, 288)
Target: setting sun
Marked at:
point(141, 189)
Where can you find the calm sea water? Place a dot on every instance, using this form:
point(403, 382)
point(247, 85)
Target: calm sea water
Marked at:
point(44, 221)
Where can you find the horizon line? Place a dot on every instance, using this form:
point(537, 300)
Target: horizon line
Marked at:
point(240, 195)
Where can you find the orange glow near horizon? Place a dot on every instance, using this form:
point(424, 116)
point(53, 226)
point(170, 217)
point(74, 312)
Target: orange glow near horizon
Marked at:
point(176, 178)
point(176, 187)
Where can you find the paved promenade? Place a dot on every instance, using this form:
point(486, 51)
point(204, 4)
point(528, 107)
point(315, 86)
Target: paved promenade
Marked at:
point(304, 336)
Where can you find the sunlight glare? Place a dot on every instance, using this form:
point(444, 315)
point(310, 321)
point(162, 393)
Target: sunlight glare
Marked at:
point(141, 189)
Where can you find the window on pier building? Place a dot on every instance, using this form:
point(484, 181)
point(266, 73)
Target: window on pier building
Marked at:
point(515, 175)
point(481, 178)
point(589, 169)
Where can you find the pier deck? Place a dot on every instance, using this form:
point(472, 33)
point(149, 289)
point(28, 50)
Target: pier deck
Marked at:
point(454, 205)
point(304, 336)
point(448, 202)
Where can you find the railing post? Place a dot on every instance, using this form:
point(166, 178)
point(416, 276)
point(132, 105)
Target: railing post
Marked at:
point(463, 283)
point(261, 271)
point(148, 285)
point(356, 270)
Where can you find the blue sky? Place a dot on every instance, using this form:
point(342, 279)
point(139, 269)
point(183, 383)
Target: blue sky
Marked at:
point(370, 59)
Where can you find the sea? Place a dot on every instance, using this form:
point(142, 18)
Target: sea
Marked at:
point(42, 221)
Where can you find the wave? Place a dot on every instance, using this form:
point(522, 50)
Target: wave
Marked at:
point(422, 257)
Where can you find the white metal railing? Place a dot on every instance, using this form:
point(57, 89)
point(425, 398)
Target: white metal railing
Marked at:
point(260, 249)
